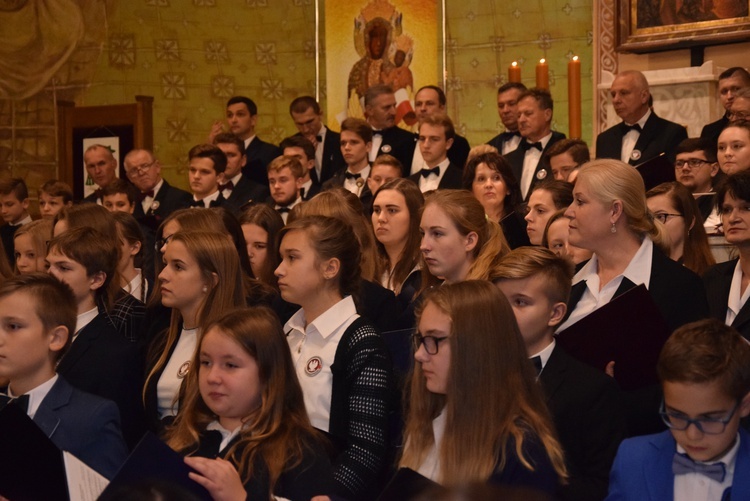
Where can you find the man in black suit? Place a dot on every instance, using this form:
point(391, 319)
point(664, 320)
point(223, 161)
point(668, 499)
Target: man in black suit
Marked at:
point(641, 135)
point(308, 118)
point(507, 107)
point(242, 117)
point(429, 101)
point(535, 125)
point(436, 135)
point(237, 189)
point(696, 168)
point(285, 178)
point(584, 402)
point(356, 143)
point(380, 113)
point(207, 163)
point(740, 107)
point(101, 166)
point(299, 147)
point(730, 81)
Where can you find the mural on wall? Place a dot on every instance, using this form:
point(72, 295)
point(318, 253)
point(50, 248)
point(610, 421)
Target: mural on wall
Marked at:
point(392, 43)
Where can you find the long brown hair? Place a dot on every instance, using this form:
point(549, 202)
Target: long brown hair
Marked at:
point(492, 396)
point(279, 432)
point(265, 217)
point(213, 256)
point(411, 254)
point(696, 253)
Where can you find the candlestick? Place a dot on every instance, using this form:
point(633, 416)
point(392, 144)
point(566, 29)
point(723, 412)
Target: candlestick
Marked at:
point(514, 72)
point(574, 98)
point(542, 74)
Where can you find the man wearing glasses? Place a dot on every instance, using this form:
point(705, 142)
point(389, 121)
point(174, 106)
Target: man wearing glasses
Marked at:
point(704, 455)
point(696, 168)
point(740, 108)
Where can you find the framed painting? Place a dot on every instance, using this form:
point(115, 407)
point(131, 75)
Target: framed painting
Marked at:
point(656, 25)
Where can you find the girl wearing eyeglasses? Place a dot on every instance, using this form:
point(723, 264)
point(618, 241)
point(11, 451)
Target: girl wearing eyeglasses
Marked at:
point(674, 205)
point(340, 359)
point(476, 413)
point(726, 283)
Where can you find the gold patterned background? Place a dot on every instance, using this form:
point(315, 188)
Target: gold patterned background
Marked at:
point(191, 55)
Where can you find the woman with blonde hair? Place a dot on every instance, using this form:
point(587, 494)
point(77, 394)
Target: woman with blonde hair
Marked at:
point(200, 281)
point(31, 245)
point(459, 242)
point(475, 410)
point(609, 216)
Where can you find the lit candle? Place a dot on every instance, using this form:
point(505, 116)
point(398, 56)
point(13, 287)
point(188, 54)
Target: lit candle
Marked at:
point(542, 74)
point(574, 98)
point(514, 72)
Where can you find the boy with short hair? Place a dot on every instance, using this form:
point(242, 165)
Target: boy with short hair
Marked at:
point(299, 147)
point(100, 360)
point(285, 179)
point(14, 205)
point(384, 168)
point(53, 196)
point(119, 195)
point(37, 320)
point(704, 369)
point(237, 189)
point(207, 163)
point(584, 402)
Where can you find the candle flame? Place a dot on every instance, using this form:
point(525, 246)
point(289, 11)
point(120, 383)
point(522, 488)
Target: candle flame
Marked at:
point(575, 58)
point(514, 63)
point(541, 61)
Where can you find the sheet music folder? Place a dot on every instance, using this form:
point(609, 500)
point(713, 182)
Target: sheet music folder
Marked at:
point(31, 466)
point(153, 461)
point(629, 330)
point(655, 171)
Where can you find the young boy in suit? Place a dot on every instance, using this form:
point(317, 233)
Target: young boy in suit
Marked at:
point(584, 402)
point(14, 205)
point(704, 369)
point(53, 196)
point(37, 318)
point(100, 360)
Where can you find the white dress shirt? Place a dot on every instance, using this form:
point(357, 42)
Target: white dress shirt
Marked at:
point(351, 184)
point(148, 201)
point(530, 161)
point(697, 487)
point(210, 198)
point(285, 215)
point(629, 140)
point(430, 467)
point(175, 371)
point(319, 151)
point(84, 319)
point(313, 352)
point(377, 141)
point(545, 353)
point(432, 182)
point(511, 145)
point(736, 299)
point(36, 395)
point(234, 181)
point(595, 296)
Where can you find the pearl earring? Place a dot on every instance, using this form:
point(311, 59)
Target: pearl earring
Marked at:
point(205, 289)
point(613, 229)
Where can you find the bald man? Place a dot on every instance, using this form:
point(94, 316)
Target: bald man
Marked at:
point(641, 135)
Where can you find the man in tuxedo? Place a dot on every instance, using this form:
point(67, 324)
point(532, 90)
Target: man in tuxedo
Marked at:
point(436, 135)
point(507, 108)
point(641, 135)
point(207, 163)
point(101, 166)
point(299, 147)
point(730, 81)
point(535, 125)
point(308, 118)
point(380, 113)
point(584, 402)
point(285, 178)
point(242, 118)
point(696, 168)
point(237, 189)
point(356, 145)
point(429, 101)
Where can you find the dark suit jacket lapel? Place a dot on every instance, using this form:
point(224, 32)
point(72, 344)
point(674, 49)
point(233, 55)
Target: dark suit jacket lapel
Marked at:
point(46, 417)
point(576, 293)
point(647, 135)
point(81, 344)
point(553, 373)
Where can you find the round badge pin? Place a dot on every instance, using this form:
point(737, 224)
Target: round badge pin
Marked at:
point(541, 174)
point(155, 205)
point(313, 366)
point(183, 370)
point(635, 155)
point(360, 182)
point(386, 148)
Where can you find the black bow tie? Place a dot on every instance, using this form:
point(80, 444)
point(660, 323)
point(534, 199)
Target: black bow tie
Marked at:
point(537, 361)
point(526, 146)
point(318, 138)
point(198, 203)
point(22, 402)
point(426, 172)
point(145, 194)
point(682, 464)
point(350, 175)
point(634, 127)
point(229, 186)
point(283, 210)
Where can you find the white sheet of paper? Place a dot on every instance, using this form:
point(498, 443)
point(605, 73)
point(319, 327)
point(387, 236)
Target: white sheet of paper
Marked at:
point(84, 484)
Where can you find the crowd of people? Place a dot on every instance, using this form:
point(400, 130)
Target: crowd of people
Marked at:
point(377, 310)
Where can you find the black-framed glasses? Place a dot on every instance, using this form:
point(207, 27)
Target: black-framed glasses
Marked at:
point(734, 116)
point(139, 169)
point(692, 163)
point(664, 216)
point(430, 343)
point(709, 426)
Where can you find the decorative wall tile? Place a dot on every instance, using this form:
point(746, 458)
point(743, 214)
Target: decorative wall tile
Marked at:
point(272, 88)
point(222, 86)
point(167, 50)
point(257, 3)
point(122, 50)
point(177, 130)
point(265, 53)
point(173, 86)
point(216, 51)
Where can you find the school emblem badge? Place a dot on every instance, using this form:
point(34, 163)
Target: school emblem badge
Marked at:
point(313, 366)
point(386, 148)
point(636, 155)
point(183, 370)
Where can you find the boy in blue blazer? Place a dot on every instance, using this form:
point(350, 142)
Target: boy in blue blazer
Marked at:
point(704, 370)
point(37, 316)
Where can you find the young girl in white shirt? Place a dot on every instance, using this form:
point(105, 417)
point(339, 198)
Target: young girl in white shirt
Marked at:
point(340, 359)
